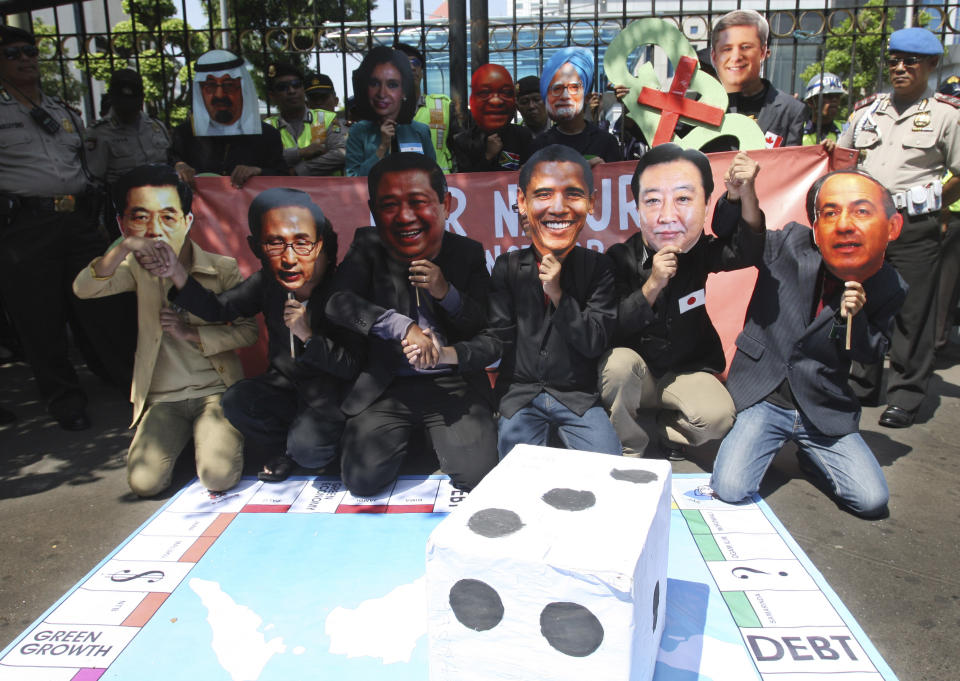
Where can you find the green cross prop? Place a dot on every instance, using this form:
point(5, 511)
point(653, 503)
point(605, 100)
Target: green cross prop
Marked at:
point(666, 35)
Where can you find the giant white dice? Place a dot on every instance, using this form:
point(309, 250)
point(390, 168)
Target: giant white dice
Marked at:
point(554, 568)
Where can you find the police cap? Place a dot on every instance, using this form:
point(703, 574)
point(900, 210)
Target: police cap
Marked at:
point(528, 85)
point(281, 69)
point(915, 41)
point(12, 34)
point(319, 82)
point(126, 83)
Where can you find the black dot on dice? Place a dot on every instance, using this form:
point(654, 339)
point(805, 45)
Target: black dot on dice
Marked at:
point(494, 522)
point(636, 476)
point(571, 629)
point(476, 604)
point(656, 604)
point(570, 499)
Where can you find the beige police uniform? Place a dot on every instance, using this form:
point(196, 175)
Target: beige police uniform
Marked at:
point(47, 234)
point(34, 162)
point(909, 149)
point(908, 153)
point(117, 148)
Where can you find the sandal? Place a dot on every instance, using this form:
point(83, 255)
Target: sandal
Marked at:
point(276, 470)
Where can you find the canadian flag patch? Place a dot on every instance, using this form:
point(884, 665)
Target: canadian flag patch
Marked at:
point(773, 140)
point(692, 300)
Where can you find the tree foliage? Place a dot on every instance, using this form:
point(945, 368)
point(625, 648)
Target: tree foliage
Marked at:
point(156, 44)
point(284, 30)
point(855, 51)
point(53, 79)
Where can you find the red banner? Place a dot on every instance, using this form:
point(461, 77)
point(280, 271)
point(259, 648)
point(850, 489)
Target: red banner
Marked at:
point(482, 209)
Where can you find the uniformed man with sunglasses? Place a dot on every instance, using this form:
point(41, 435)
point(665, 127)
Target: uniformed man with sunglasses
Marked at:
point(48, 233)
point(314, 140)
point(907, 139)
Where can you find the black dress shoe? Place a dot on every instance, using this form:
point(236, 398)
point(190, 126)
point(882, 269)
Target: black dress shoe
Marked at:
point(673, 451)
point(896, 417)
point(78, 421)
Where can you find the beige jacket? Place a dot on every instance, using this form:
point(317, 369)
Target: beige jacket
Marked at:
point(218, 341)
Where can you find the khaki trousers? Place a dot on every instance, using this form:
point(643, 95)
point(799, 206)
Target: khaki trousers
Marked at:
point(163, 432)
point(684, 409)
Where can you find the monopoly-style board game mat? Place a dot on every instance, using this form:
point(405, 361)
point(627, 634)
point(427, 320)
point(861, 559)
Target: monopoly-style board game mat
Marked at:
point(300, 579)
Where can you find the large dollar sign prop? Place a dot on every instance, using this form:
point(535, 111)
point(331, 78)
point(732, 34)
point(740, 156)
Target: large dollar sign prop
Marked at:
point(657, 112)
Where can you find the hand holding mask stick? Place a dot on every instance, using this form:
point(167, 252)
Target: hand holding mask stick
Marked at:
point(293, 347)
point(852, 302)
point(846, 344)
point(426, 274)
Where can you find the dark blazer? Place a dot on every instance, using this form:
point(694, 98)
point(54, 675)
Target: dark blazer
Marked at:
point(332, 357)
point(470, 148)
point(221, 154)
point(547, 348)
point(666, 336)
point(783, 115)
point(369, 283)
point(779, 341)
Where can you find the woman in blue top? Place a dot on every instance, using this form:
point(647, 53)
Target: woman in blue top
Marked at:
point(386, 103)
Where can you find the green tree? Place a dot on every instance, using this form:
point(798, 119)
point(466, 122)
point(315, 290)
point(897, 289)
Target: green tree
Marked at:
point(284, 30)
point(156, 44)
point(855, 52)
point(55, 80)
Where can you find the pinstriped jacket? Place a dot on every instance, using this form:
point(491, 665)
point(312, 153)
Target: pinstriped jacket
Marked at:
point(780, 341)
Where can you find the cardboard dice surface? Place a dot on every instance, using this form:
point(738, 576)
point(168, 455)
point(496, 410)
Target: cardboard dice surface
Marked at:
point(554, 568)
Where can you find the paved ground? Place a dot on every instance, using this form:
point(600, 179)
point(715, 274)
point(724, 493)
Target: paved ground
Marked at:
point(64, 505)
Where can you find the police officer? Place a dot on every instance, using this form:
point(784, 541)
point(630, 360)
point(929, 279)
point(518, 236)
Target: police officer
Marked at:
point(320, 92)
point(48, 232)
point(433, 111)
point(126, 137)
point(314, 140)
point(949, 291)
point(822, 96)
point(907, 139)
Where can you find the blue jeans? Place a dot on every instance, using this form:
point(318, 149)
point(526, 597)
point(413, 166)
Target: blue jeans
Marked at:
point(759, 433)
point(591, 432)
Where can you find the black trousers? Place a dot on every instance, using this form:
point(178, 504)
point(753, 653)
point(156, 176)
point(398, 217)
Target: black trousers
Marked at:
point(459, 421)
point(947, 294)
point(41, 253)
point(276, 419)
point(916, 256)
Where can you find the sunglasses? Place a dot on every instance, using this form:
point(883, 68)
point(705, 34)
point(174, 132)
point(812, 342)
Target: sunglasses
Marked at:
point(288, 85)
point(12, 53)
point(907, 59)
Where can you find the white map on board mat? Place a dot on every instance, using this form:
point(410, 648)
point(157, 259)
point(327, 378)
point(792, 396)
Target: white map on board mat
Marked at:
point(241, 649)
point(387, 628)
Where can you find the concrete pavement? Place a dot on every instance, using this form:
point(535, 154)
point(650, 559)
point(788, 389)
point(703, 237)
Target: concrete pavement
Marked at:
point(64, 504)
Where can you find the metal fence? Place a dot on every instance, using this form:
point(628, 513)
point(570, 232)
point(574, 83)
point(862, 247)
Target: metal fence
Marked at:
point(332, 35)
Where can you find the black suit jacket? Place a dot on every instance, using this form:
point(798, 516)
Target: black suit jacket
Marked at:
point(779, 341)
point(547, 348)
point(369, 283)
point(783, 115)
point(668, 335)
point(221, 154)
point(331, 358)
